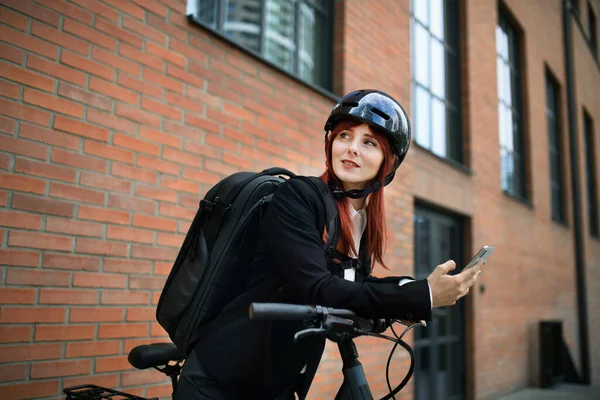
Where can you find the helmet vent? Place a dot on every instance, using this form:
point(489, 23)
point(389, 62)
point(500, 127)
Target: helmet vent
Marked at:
point(380, 113)
point(350, 104)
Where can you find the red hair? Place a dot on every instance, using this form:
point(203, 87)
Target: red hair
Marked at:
point(375, 209)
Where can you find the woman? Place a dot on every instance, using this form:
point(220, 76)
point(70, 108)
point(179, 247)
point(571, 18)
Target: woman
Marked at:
point(367, 138)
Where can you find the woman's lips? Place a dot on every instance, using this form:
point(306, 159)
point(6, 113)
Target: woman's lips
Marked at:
point(349, 163)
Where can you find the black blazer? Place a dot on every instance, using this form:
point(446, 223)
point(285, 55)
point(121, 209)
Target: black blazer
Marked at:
point(261, 355)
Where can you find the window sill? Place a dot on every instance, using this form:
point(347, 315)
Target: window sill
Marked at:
point(455, 164)
point(257, 56)
point(519, 199)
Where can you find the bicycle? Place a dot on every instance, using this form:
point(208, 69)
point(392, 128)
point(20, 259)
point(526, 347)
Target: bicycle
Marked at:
point(338, 325)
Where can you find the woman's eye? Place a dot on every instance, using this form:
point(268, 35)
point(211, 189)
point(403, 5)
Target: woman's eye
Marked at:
point(370, 143)
point(343, 135)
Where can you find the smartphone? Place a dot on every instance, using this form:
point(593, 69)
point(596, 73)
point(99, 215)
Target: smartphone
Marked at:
point(483, 254)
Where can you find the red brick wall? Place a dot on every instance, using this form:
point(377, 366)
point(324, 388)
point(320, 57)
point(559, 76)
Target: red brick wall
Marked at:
point(116, 116)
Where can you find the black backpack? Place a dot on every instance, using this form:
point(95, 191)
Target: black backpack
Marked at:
point(211, 268)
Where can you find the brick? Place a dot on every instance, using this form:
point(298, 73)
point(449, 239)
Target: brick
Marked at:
point(144, 30)
point(77, 160)
point(64, 332)
point(166, 54)
point(137, 115)
point(135, 144)
point(188, 51)
point(127, 266)
point(71, 262)
point(202, 123)
point(158, 165)
point(62, 39)
point(76, 193)
point(11, 53)
point(23, 147)
point(15, 334)
point(157, 331)
point(110, 331)
point(111, 121)
point(95, 314)
point(232, 159)
point(29, 42)
point(20, 220)
point(73, 227)
point(60, 368)
point(180, 184)
point(23, 112)
point(199, 176)
point(42, 205)
point(139, 86)
point(116, 61)
point(26, 77)
point(7, 125)
point(30, 352)
point(152, 6)
point(5, 161)
point(37, 278)
point(147, 282)
point(129, 234)
point(159, 137)
point(47, 136)
point(86, 65)
point(181, 74)
point(104, 182)
point(108, 152)
point(84, 96)
point(239, 112)
point(22, 258)
point(122, 297)
point(239, 136)
point(163, 81)
point(140, 378)
point(221, 143)
point(89, 34)
point(13, 372)
point(52, 102)
point(13, 19)
point(112, 29)
point(146, 314)
point(207, 73)
point(100, 247)
point(68, 296)
point(103, 215)
point(184, 102)
point(29, 390)
point(56, 70)
point(202, 149)
point(102, 280)
point(23, 315)
point(161, 109)
point(46, 170)
point(155, 298)
point(152, 252)
point(107, 381)
point(131, 203)
point(10, 90)
point(109, 364)
point(95, 348)
point(39, 241)
point(219, 168)
point(132, 173)
point(179, 212)
point(142, 58)
point(68, 10)
point(128, 8)
point(207, 46)
point(156, 223)
point(17, 296)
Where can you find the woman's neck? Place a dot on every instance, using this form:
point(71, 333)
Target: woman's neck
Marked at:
point(357, 203)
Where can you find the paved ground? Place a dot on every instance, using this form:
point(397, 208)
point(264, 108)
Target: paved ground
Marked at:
point(565, 391)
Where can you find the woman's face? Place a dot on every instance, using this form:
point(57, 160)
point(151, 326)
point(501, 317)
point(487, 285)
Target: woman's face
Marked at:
point(356, 156)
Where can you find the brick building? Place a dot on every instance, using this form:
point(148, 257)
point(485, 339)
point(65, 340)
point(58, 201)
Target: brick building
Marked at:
point(116, 116)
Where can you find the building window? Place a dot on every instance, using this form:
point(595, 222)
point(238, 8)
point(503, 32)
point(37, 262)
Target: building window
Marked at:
point(554, 147)
point(591, 165)
point(592, 29)
point(436, 77)
point(510, 108)
point(294, 35)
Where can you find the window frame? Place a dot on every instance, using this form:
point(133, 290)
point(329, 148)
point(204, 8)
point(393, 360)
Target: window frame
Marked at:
point(192, 14)
point(555, 146)
point(592, 29)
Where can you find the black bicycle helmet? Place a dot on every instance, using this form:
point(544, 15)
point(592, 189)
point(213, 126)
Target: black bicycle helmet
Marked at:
point(381, 111)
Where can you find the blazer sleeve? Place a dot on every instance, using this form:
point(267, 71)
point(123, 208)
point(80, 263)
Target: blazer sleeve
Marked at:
point(293, 235)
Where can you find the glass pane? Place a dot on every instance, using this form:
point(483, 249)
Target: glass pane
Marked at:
point(454, 135)
point(508, 129)
point(452, 80)
point(280, 21)
point(438, 68)
point(438, 117)
point(422, 376)
point(501, 43)
point(442, 325)
point(436, 24)
point(507, 80)
point(308, 42)
point(421, 238)
point(421, 51)
point(242, 23)
point(207, 12)
point(518, 175)
point(456, 372)
point(507, 169)
point(500, 78)
point(422, 128)
point(420, 10)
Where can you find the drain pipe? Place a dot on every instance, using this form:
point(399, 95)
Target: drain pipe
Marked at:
point(577, 229)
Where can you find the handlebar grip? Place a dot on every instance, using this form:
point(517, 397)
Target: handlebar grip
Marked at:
point(278, 311)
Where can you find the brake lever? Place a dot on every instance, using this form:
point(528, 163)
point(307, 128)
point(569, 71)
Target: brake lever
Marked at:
point(308, 332)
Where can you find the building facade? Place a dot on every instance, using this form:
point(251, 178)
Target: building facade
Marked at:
point(116, 116)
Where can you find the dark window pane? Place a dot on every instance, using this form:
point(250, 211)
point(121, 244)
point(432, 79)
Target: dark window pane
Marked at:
point(207, 12)
point(280, 41)
point(242, 23)
point(591, 175)
point(592, 29)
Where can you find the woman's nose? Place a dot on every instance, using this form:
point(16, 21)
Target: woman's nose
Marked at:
point(353, 149)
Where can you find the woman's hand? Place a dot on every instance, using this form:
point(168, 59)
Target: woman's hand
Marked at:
point(447, 289)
